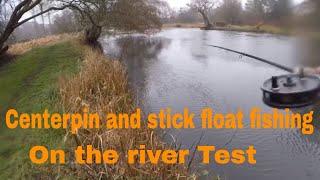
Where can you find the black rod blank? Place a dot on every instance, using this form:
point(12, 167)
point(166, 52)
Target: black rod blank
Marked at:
point(257, 58)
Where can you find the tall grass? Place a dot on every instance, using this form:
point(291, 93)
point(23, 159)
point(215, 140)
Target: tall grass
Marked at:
point(101, 85)
point(23, 47)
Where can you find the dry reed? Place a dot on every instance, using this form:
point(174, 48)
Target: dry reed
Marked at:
point(23, 47)
point(101, 85)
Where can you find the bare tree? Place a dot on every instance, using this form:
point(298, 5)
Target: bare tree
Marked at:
point(2, 16)
point(41, 5)
point(20, 9)
point(203, 7)
point(125, 15)
point(231, 11)
point(255, 11)
point(313, 17)
point(187, 15)
point(65, 22)
point(277, 9)
point(138, 15)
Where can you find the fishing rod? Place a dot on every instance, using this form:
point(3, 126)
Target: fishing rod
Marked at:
point(257, 58)
point(290, 90)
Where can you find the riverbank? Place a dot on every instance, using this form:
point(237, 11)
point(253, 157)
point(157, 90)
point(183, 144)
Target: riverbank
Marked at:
point(29, 84)
point(67, 76)
point(239, 28)
point(183, 25)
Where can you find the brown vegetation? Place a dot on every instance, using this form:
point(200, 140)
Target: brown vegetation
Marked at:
point(101, 85)
point(183, 25)
point(220, 24)
point(23, 47)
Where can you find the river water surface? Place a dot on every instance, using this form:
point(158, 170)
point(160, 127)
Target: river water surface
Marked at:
point(175, 68)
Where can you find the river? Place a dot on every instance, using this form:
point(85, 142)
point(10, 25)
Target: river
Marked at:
point(175, 68)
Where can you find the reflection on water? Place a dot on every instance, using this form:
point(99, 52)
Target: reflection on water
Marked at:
point(177, 69)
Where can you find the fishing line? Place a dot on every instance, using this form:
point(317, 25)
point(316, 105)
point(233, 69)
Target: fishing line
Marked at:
point(288, 69)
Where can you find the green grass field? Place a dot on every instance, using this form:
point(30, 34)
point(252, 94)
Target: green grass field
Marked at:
point(29, 84)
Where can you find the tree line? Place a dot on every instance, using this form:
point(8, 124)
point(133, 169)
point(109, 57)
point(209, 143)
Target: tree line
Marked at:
point(91, 16)
point(278, 12)
point(94, 16)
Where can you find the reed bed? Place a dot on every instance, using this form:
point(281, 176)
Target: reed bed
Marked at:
point(101, 85)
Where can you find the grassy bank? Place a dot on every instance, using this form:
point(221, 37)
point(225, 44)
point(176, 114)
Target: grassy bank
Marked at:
point(65, 77)
point(183, 25)
point(29, 84)
point(263, 29)
point(239, 28)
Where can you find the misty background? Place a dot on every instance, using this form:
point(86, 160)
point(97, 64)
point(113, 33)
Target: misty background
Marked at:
point(297, 14)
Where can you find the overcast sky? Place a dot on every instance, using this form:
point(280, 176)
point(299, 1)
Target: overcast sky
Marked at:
point(177, 4)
